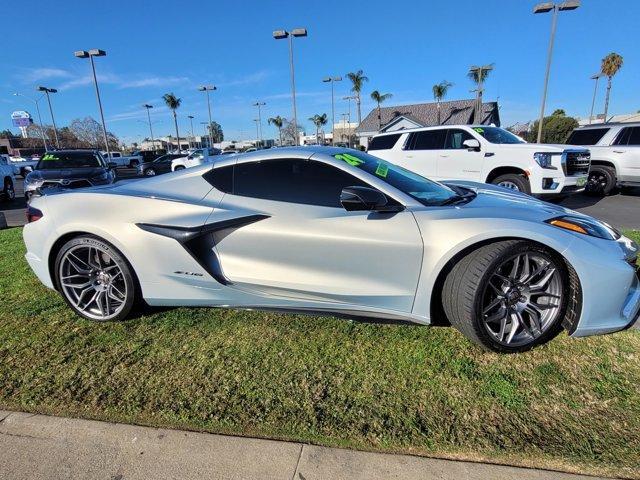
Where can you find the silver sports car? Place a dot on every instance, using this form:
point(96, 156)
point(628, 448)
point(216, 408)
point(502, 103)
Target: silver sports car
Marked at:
point(336, 232)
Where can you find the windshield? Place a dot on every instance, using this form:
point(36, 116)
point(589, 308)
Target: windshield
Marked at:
point(426, 191)
point(57, 160)
point(498, 135)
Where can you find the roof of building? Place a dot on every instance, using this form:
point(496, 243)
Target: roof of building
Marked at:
point(455, 112)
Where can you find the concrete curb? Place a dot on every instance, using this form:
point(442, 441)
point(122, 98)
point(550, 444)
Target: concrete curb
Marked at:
point(44, 447)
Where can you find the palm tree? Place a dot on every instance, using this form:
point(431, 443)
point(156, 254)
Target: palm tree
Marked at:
point(378, 97)
point(611, 64)
point(357, 80)
point(319, 121)
point(279, 123)
point(478, 75)
point(173, 103)
point(439, 92)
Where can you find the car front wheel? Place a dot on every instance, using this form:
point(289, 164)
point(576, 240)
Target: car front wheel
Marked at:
point(508, 296)
point(602, 180)
point(149, 172)
point(513, 181)
point(179, 167)
point(95, 279)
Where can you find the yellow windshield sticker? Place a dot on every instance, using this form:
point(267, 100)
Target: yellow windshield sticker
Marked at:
point(48, 156)
point(350, 159)
point(382, 170)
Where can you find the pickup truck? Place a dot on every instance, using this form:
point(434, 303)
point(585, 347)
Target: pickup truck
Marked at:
point(121, 160)
point(487, 154)
point(197, 157)
point(8, 191)
point(21, 165)
point(615, 155)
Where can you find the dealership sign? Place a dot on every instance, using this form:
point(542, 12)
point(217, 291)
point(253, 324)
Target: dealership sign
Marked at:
point(21, 119)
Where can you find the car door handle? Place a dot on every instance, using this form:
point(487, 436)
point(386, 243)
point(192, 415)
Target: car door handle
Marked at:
point(444, 155)
point(618, 151)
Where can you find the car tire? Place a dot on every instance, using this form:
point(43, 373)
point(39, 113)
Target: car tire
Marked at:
point(179, 167)
point(8, 190)
point(513, 181)
point(476, 299)
point(149, 172)
point(95, 279)
point(133, 163)
point(601, 182)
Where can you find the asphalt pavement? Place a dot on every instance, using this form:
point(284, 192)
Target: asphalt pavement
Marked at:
point(38, 447)
point(621, 210)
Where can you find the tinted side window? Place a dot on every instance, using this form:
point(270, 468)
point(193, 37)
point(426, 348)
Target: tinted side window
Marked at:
point(634, 138)
point(455, 138)
point(589, 136)
point(221, 178)
point(623, 137)
point(383, 142)
point(428, 140)
point(295, 181)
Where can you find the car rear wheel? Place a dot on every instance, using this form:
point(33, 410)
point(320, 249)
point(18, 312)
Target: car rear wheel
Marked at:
point(507, 296)
point(179, 167)
point(8, 191)
point(602, 180)
point(513, 181)
point(149, 172)
point(95, 279)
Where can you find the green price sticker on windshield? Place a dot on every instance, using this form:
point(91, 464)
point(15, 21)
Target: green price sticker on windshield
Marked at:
point(48, 156)
point(382, 170)
point(479, 130)
point(350, 159)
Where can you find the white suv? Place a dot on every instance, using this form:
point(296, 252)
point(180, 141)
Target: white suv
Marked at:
point(488, 154)
point(615, 155)
point(195, 158)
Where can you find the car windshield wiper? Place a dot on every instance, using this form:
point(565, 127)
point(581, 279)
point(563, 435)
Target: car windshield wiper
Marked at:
point(456, 199)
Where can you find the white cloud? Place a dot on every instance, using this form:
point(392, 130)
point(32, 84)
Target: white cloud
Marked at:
point(251, 78)
point(153, 82)
point(37, 74)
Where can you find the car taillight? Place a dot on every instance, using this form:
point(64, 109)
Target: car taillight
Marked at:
point(33, 214)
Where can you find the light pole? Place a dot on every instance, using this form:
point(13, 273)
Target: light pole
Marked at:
point(207, 89)
point(191, 117)
point(332, 80)
point(257, 129)
point(259, 105)
point(348, 99)
point(206, 131)
point(555, 8)
point(280, 35)
point(595, 77)
point(149, 107)
point(95, 52)
point(44, 138)
point(47, 91)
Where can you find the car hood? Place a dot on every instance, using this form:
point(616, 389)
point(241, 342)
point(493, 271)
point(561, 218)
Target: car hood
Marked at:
point(65, 173)
point(492, 201)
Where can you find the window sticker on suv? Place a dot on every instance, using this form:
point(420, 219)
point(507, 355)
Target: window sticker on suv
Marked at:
point(350, 159)
point(382, 170)
point(49, 156)
point(479, 130)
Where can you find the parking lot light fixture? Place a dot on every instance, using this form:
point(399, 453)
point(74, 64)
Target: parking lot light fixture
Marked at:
point(47, 91)
point(280, 35)
point(554, 8)
point(193, 137)
point(595, 77)
point(96, 52)
point(259, 105)
point(332, 80)
point(36, 102)
point(207, 89)
point(149, 107)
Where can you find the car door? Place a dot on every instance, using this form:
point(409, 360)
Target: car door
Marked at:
point(422, 152)
point(302, 245)
point(455, 161)
point(626, 149)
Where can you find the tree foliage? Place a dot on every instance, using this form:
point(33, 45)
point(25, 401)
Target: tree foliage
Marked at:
point(555, 129)
point(215, 130)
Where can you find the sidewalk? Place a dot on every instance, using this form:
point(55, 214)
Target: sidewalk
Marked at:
point(42, 447)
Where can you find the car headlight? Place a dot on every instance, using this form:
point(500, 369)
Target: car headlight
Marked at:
point(585, 226)
point(544, 160)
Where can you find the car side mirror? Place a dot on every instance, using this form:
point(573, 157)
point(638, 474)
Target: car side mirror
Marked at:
point(112, 165)
point(28, 169)
point(471, 144)
point(355, 199)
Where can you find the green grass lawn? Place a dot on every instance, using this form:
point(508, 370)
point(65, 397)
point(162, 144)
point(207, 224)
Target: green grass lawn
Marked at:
point(572, 404)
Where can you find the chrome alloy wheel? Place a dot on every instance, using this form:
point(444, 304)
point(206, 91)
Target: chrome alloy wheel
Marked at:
point(93, 282)
point(522, 299)
point(509, 185)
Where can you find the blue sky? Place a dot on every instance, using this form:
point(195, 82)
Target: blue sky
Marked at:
point(403, 47)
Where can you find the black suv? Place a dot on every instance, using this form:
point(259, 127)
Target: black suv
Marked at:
point(159, 165)
point(69, 169)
